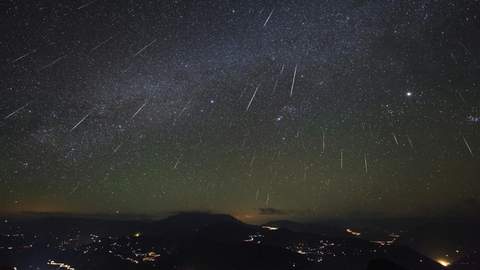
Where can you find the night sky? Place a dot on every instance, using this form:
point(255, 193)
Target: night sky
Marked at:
point(312, 109)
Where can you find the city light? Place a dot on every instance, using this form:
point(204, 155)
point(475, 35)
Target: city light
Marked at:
point(354, 233)
point(60, 265)
point(443, 262)
point(270, 228)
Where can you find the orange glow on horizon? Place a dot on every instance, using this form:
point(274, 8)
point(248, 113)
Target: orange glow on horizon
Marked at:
point(443, 262)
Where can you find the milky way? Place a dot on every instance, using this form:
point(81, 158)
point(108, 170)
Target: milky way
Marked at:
point(306, 108)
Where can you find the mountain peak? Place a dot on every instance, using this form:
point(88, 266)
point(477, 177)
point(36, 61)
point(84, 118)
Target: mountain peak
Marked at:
point(201, 218)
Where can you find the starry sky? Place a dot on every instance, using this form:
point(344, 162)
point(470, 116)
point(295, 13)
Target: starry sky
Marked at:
point(290, 108)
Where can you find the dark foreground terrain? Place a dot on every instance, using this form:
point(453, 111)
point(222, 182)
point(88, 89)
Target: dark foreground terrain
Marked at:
point(206, 241)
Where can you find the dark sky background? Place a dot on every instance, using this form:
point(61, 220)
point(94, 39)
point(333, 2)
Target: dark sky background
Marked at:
point(310, 109)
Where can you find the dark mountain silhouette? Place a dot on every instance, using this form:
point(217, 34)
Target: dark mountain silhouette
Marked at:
point(197, 241)
point(383, 264)
point(468, 262)
point(447, 235)
point(196, 220)
point(200, 218)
